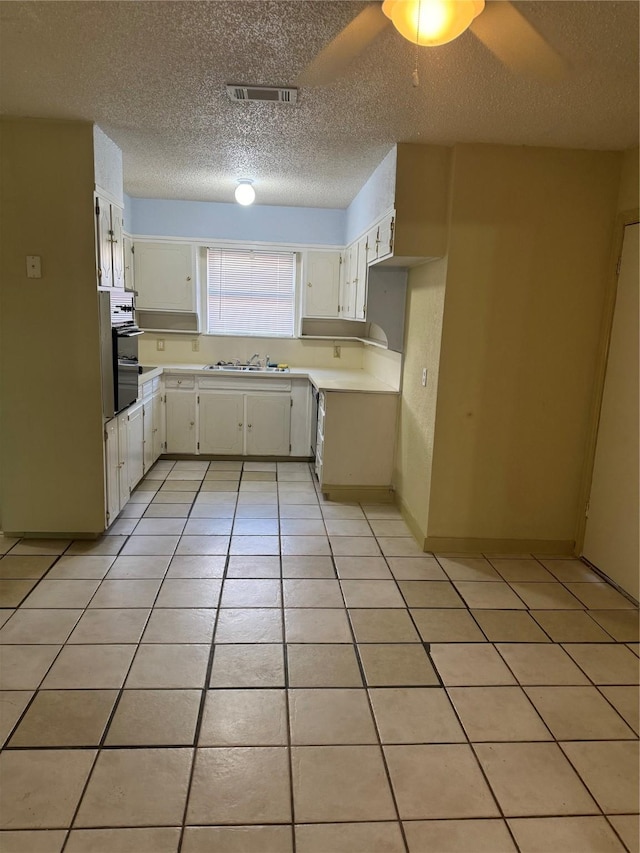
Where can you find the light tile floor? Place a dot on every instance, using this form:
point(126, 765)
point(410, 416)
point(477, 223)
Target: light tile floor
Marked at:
point(242, 666)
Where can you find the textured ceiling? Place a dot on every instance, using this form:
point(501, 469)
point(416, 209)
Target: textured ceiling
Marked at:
point(152, 75)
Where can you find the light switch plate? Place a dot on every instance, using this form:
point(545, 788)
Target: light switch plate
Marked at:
point(424, 377)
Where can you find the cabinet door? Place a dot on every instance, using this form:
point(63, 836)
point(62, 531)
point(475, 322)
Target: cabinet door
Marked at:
point(385, 236)
point(180, 415)
point(347, 295)
point(373, 242)
point(268, 424)
point(322, 284)
point(123, 460)
point(129, 277)
point(147, 415)
point(112, 461)
point(221, 423)
point(156, 439)
point(165, 277)
point(361, 280)
point(117, 247)
point(103, 242)
point(135, 441)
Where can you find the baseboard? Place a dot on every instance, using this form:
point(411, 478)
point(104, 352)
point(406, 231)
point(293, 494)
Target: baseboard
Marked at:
point(40, 534)
point(411, 522)
point(464, 545)
point(359, 494)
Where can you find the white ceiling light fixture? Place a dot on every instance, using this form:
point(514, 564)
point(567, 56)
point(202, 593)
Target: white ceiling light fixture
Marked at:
point(245, 193)
point(432, 22)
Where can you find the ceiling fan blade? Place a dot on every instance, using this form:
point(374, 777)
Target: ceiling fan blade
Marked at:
point(333, 59)
point(516, 43)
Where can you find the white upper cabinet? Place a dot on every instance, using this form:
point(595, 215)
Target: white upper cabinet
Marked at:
point(386, 228)
point(129, 276)
point(321, 284)
point(165, 276)
point(109, 246)
point(361, 279)
point(353, 281)
point(347, 282)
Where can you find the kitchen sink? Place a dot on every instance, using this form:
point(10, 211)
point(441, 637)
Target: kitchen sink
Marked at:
point(253, 368)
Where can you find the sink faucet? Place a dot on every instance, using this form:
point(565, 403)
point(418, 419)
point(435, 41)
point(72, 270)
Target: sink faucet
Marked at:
point(255, 355)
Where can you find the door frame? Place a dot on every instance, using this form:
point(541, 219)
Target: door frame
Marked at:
point(626, 217)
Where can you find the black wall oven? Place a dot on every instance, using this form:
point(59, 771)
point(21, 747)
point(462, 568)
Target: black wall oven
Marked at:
point(119, 341)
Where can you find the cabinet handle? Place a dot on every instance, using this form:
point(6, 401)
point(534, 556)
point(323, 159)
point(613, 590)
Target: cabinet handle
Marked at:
point(192, 423)
point(248, 426)
point(239, 426)
point(188, 278)
point(309, 284)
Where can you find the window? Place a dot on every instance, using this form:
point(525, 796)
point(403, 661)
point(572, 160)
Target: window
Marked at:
point(250, 292)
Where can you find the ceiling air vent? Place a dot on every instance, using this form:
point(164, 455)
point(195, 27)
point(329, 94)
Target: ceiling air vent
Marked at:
point(262, 93)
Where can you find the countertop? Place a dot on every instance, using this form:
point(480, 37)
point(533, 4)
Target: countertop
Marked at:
point(323, 378)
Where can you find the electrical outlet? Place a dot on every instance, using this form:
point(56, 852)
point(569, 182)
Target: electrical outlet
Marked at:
point(34, 266)
point(336, 352)
point(424, 377)
point(160, 344)
point(195, 345)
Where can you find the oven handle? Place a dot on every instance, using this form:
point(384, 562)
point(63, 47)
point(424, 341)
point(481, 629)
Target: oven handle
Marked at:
point(129, 333)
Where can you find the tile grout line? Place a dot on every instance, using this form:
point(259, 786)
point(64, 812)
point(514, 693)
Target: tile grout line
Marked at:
point(356, 648)
point(285, 654)
point(203, 697)
point(375, 722)
point(98, 748)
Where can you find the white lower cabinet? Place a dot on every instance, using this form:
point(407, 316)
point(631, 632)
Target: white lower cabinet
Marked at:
point(268, 419)
point(112, 470)
point(355, 440)
point(131, 448)
point(152, 422)
point(157, 409)
point(229, 416)
point(180, 408)
point(123, 460)
point(238, 424)
point(135, 443)
point(147, 420)
point(222, 426)
point(116, 458)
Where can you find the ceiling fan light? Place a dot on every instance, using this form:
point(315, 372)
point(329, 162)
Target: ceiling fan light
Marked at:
point(245, 193)
point(431, 22)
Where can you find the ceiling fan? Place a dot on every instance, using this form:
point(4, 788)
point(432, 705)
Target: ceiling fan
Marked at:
point(498, 24)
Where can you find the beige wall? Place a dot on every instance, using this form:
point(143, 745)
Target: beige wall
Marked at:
point(422, 182)
point(385, 365)
point(295, 352)
point(628, 197)
point(530, 233)
point(50, 398)
point(414, 455)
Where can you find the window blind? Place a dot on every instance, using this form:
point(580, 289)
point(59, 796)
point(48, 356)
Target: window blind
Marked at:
point(250, 292)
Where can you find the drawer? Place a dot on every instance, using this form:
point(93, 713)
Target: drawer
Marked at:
point(175, 381)
point(146, 391)
point(240, 383)
point(155, 384)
